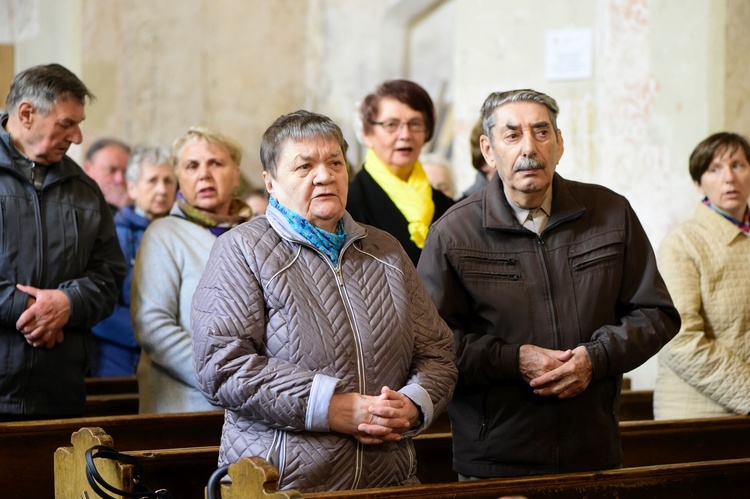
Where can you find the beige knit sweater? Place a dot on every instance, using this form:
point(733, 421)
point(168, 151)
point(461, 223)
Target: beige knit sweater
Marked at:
point(705, 370)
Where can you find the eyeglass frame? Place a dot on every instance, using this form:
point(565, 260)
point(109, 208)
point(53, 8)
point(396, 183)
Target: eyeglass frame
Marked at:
point(409, 124)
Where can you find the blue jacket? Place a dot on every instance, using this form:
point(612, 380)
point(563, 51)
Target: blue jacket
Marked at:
point(117, 327)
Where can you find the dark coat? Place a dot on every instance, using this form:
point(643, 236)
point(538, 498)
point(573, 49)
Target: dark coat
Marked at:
point(369, 204)
point(60, 238)
point(590, 278)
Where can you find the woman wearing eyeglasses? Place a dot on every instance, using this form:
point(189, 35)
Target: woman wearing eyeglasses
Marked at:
point(392, 192)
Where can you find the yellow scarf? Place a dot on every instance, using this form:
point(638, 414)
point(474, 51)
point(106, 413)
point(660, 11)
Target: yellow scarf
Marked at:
point(413, 198)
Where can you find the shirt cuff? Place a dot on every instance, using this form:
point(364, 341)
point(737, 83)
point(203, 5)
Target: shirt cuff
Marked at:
point(423, 401)
point(323, 388)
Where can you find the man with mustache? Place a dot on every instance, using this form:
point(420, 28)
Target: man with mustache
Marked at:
point(60, 262)
point(552, 292)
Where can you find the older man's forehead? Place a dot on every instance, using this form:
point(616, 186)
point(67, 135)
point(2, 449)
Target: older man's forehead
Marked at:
point(513, 115)
point(517, 126)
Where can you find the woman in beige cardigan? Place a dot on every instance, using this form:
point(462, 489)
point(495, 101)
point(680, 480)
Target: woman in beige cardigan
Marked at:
point(705, 370)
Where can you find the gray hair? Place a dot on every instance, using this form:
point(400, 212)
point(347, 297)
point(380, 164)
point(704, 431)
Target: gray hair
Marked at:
point(210, 136)
point(298, 126)
point(43, 85)
point(497, 99)
point(145, 156)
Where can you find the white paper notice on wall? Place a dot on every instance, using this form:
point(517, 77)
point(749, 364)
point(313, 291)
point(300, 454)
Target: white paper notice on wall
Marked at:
point(568, 54)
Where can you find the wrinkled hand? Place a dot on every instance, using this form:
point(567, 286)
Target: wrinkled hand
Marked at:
point(47, 312)
point(348, 411)
point(569, 379)
point(534, 361)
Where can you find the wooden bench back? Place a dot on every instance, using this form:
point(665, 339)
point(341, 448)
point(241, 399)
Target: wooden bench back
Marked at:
point(254, 478)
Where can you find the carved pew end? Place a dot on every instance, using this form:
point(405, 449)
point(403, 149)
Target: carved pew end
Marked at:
point(70, 466)
point(254, 478)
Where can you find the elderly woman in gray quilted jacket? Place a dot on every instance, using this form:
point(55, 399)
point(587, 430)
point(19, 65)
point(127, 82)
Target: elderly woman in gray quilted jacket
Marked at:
point(314, 332)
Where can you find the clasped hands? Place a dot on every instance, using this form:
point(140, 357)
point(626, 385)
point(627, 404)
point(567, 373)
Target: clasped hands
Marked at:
point(47, 311)
point(555, 373)
point(372, 419)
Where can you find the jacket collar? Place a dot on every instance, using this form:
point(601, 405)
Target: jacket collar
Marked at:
point(128, 216)
point(498, 214)
point(279, 223)
point(64, 168)
point(724, 230)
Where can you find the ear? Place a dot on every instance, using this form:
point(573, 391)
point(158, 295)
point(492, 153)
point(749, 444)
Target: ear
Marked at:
point(26, 113)
point(268, 182)
point(699, 187)
point(561, 143)
point(486, 147)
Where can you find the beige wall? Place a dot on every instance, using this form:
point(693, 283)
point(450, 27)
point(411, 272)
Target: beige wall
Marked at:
point(667, 73)
point(737, 97)
point(230, 65)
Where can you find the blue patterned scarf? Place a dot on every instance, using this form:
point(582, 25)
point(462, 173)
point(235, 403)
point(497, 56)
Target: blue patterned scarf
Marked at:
point(743, 225)
point(329, 243)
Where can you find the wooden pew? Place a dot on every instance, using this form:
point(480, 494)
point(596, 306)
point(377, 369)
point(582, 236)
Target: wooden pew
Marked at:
point(727, 478)
point(189, 481)
point(645, 444)
point(111, 386)
point(111, 396)
point(680, 441)
point(23, 445)
point(26, 448)
point(636, 405)
point(119, 404)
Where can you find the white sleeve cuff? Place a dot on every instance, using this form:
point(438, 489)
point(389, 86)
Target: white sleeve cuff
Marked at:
point(321, 393)
point(422, 400)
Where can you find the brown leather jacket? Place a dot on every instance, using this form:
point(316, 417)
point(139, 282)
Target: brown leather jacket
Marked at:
point(589, 279)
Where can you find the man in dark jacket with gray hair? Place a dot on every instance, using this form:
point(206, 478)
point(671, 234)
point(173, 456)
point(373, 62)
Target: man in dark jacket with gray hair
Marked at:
point(552, 292)
point(60, 262)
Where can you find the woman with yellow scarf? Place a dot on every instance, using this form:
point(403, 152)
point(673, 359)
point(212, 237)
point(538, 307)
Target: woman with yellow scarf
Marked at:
point(392, 192)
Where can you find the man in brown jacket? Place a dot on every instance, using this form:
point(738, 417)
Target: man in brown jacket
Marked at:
point(552, 292)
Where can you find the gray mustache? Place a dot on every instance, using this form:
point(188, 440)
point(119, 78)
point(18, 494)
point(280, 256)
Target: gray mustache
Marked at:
point(528, 164)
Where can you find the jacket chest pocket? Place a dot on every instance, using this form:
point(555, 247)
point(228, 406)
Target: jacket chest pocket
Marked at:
point(69, 226)
point(490, 268)
point(597, 254)
point(596, 268)
point(498, 286)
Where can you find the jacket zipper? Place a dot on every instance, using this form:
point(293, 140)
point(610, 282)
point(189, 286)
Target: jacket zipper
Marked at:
point(38, 279)
point(360, 355)
point(358, 344)
point(551, 295)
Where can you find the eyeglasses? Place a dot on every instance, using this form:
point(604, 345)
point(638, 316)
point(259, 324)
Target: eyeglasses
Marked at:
point(394, 126)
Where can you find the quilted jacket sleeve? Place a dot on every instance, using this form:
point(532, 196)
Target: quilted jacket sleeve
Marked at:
point(228, 321)
point(433, 371)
